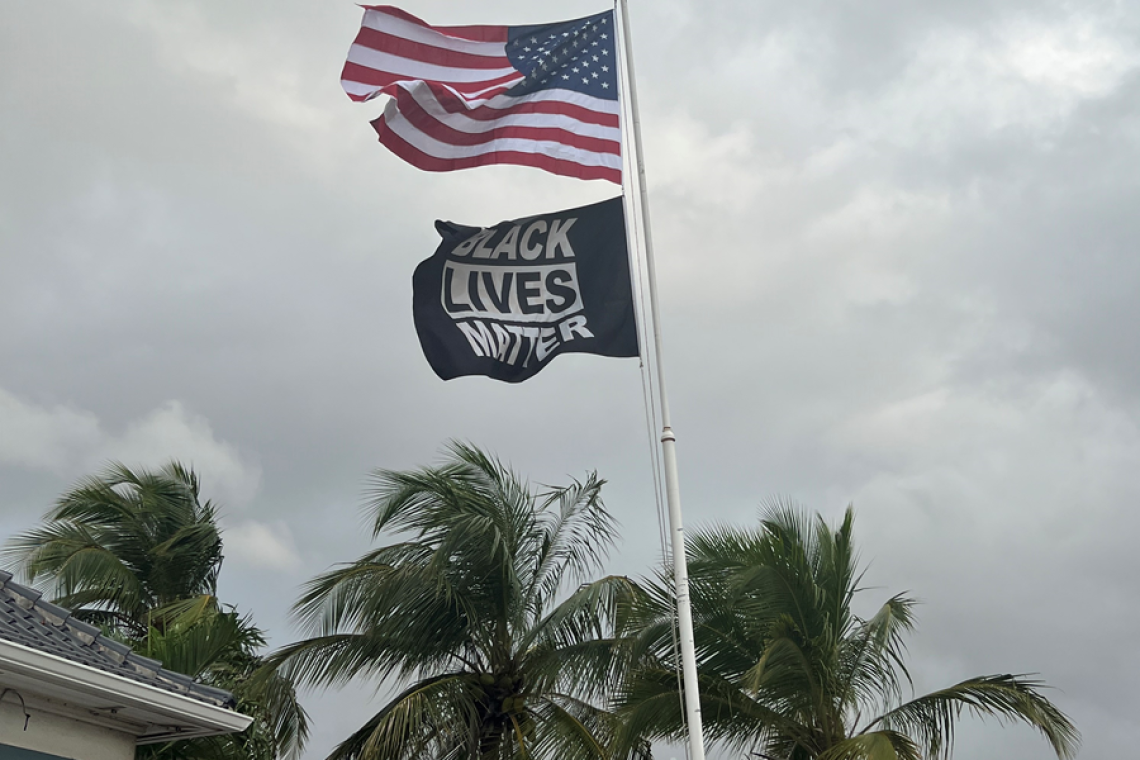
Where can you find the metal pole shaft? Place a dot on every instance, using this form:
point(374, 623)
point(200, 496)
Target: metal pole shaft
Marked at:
point(668, 439)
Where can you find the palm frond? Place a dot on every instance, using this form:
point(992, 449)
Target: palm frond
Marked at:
point(79, 566)
point(872, 656)
point(200, 644)
point(430, 718)
point(651, 707)
point(185, 612)
point(336, 659)
point(784, 671)
point(931, 719)
point(272, 699)
point(575, 538)
point(877, 745)
point(588, 613)
point(570, 728)
point(574, 647)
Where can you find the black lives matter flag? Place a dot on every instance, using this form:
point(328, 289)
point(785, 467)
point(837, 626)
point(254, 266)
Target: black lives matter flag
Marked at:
point(503, 301)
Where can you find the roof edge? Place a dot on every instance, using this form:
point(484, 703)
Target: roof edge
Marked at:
point(32, 599)
point(189, 717)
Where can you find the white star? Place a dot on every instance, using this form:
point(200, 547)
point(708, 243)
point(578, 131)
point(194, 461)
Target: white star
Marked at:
point(565, 76)
point(586, 64)
point(594, 43)
point(605, 85)
point(585, 81)
point(594, 74)
point(535, 41)
point(566, 34)
point(604, 37)
point(595, 57)
point(575, 69)
point(526, 49)
point(605, 68)
point(605, 20)
point(605, 52)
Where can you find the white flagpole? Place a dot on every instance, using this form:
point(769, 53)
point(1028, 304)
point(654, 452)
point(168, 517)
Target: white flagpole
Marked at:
point(668, 439)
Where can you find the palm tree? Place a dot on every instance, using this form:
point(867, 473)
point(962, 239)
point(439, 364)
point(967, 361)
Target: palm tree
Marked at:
point(125, 544)
point(461, 613)
point(789, 672)
point(138, 553)
point(220, 648)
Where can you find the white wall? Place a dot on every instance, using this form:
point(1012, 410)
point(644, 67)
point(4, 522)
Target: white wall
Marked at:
point(59, 736)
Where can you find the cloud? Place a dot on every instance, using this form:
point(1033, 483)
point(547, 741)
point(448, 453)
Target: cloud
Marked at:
point(989, 447)
point(173, 432)
point(68, 441)
point(43, 437)
point(261, 544)
point(1082, 59)
point(964, 84)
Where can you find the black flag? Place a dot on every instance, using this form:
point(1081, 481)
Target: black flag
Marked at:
point(503, 301)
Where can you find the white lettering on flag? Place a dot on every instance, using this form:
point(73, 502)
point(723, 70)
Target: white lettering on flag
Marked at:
point(545, 293)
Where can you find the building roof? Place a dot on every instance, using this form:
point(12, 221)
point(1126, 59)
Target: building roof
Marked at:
point(26, 619)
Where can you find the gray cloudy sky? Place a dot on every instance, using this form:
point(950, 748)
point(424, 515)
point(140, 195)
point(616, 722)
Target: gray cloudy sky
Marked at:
point(898, 255)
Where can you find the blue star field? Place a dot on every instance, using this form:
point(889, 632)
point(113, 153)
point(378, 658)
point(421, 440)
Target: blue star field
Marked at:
point(577, 55)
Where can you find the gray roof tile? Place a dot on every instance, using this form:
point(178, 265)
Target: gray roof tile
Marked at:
point(28, 620)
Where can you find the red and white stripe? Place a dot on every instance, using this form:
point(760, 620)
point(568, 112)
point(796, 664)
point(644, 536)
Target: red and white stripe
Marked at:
point(448, 108)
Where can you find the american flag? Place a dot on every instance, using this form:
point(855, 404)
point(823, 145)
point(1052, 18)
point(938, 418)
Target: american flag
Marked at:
point(463, 96)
